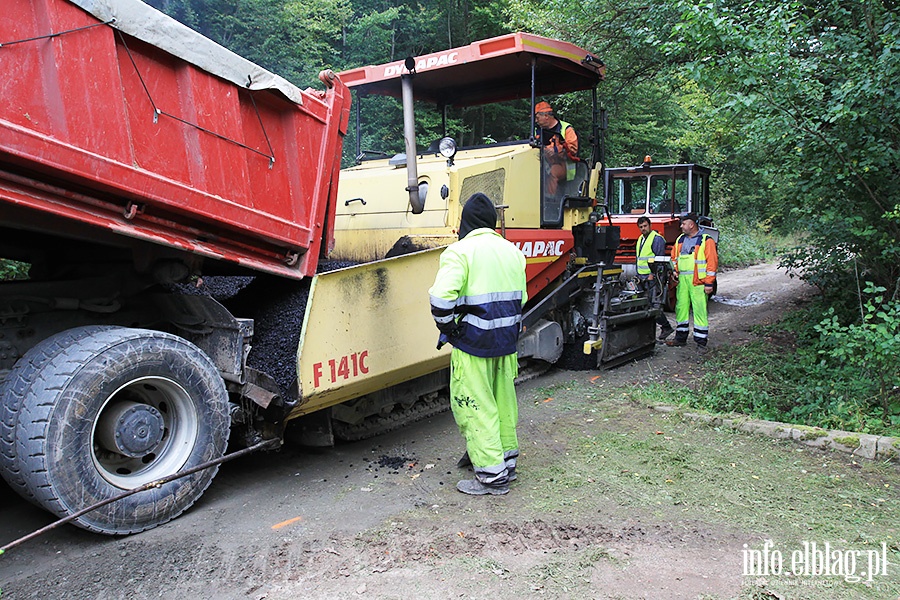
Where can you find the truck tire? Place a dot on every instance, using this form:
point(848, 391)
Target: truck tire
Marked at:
point(112, 410)
point(12, 391)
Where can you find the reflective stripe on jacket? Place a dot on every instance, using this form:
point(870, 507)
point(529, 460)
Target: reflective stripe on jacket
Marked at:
point(570, 160)
point(478, 294)
point(703, 261)
point(645, 252)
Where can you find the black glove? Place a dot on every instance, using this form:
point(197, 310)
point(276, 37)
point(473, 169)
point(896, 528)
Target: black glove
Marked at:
point(448, 329)
point(442, 339)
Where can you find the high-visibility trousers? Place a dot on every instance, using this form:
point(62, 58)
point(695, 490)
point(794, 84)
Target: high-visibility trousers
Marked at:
point(691, 298)
point(483, 401)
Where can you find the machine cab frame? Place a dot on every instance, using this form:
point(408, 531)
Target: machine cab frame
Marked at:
point(509, 67)
point(656, 190)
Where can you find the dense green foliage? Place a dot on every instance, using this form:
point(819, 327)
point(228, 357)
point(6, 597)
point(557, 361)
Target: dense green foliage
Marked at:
point(294, 39)
point(743, 243)
point(793, 104)
point(810, 90)
point(13, 269)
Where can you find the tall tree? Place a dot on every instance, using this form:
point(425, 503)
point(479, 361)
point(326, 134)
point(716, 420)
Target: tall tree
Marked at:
point(812, 86)
point(293, 38)
point(794, 103)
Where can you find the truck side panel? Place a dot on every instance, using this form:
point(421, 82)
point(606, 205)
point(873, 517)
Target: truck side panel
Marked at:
point(121, 122)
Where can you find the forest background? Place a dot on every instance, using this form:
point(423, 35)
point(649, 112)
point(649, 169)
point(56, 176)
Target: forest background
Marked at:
point(793, 105)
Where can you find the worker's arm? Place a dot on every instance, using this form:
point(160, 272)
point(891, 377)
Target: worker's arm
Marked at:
point(445, 292)
point(676, 248)
point(712, 265)
point(659, 245)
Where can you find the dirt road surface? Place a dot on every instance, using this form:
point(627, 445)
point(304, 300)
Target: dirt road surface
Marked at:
point(614, 500)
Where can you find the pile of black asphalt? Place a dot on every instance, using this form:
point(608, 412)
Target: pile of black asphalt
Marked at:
point(277, 306)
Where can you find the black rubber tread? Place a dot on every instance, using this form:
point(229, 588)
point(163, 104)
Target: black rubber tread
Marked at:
point(58, 408)
point(12, 391)
point(532, 369)
point(377, 425)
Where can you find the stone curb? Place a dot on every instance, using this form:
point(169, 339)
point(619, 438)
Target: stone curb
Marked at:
point(863, 445)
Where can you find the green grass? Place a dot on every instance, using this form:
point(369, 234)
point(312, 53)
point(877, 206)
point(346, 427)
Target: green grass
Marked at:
point(665, 468)
point(597, 466)
point(741, 478)
point(778, 378)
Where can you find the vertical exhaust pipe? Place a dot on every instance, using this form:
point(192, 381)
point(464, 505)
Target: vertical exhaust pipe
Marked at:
point(409, 134)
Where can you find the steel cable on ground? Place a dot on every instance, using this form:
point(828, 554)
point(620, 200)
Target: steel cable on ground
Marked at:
point(147, 486)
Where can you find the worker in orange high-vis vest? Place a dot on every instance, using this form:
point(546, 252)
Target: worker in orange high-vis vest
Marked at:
point(560, 142)
point(695, 261)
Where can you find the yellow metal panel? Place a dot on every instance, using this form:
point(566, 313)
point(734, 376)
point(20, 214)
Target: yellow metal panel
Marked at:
point(590, 346)
point(367, 231)
point(366, 245)
point(367, 328)
point(523, 187)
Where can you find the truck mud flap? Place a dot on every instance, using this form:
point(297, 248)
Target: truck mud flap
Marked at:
point(368, 327)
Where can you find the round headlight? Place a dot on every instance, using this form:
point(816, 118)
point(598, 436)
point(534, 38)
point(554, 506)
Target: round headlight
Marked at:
point(447, 147)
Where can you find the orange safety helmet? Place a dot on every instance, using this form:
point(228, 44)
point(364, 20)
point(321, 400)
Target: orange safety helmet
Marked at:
point(541, 107)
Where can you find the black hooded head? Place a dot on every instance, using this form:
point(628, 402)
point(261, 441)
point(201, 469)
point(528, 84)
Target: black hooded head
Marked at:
point(478, 212)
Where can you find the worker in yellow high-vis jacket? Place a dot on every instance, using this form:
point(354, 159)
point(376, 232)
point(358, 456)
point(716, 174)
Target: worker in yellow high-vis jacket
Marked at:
point(648, 246)
point(695, 260)
point(476, 302)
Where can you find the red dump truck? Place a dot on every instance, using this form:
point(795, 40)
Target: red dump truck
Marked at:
point(138, 161)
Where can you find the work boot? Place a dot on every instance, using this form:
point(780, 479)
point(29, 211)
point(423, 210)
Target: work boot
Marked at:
point(511, 474)
point(665, 332)
point(702, 350)
point(473, 487)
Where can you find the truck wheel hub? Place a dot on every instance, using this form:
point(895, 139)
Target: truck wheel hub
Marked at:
point(131, 429)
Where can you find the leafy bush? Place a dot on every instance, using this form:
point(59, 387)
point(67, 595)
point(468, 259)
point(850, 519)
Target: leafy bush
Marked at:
point(871, 348)
point(13, 269)
point(839, 250)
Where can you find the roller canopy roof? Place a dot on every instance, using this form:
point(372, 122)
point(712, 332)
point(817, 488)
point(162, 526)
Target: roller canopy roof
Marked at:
point(491, 70)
